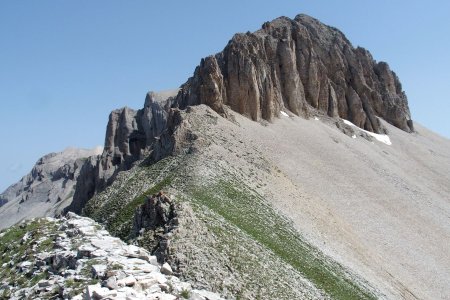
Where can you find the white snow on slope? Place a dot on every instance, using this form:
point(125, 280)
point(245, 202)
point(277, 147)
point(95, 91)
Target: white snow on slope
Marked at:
point(284, 114)
point(379, 137)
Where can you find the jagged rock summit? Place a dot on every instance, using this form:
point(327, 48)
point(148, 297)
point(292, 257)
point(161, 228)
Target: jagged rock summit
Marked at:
point(295, 65)
point(299, 65)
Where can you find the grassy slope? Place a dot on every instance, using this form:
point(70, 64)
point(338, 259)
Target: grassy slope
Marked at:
point(240, 207)
point(116, 206)
point(14, 249)
point(246, 210)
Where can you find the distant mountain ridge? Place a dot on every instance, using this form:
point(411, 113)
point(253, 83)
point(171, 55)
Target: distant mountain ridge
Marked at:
point(47, 189)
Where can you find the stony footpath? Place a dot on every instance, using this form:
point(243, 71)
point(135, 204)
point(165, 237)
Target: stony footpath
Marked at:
point(75, 258)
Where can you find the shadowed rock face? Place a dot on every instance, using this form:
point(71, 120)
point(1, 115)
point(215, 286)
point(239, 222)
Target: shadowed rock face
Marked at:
point(300, 65)
point(131, 135)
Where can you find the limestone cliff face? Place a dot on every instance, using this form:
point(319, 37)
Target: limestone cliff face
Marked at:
point(300, 65)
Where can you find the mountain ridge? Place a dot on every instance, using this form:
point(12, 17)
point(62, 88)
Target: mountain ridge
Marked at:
point(47, 189)
point(264, 170)
point(361, 91)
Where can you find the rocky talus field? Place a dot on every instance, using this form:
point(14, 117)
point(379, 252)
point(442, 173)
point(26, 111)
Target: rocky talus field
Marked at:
point(287, 167)
point(74, 257)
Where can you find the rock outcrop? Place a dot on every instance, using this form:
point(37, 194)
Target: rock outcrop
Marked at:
point(131, 135)
point(74, 258)
point(47, 189)
point(300, 65)
point(153, 223)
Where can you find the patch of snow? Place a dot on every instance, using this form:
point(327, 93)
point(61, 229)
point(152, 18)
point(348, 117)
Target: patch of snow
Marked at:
point(353, 136)
point(384, 138)
point(284, 114)
point(316, 118)
point(348, 122)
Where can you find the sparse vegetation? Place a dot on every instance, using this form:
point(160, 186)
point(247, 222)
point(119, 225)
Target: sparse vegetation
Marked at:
point(246, 210)
point(185, 294)
point(35, 279)
point(15, 248)
point(115, 207)
point(237, 215)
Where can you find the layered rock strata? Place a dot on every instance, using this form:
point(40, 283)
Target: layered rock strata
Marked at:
point(298, 65)
point(131, 135)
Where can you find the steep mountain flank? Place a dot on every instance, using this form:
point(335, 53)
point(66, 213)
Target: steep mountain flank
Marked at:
point(300, 65)
point(353, 199)
point(47, 189)
point(225, 234)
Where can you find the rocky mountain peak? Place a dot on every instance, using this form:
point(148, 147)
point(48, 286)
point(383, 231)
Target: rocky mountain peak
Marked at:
point(303, 66)
point(295, 65)
point(298, 65)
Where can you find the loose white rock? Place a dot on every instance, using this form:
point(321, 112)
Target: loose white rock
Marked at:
point(166, 269)
point(127, 281)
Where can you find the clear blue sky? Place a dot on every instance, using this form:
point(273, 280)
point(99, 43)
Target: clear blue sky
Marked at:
point(64, 65)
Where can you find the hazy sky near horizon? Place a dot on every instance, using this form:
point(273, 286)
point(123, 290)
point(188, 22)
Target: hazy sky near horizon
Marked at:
point(64, 65)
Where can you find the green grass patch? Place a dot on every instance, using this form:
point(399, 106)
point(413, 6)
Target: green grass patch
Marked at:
point(35, 279)
point(45, 245)
point(186, 294)
point(6, 294)
point(15, 249)
point(249, 212)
